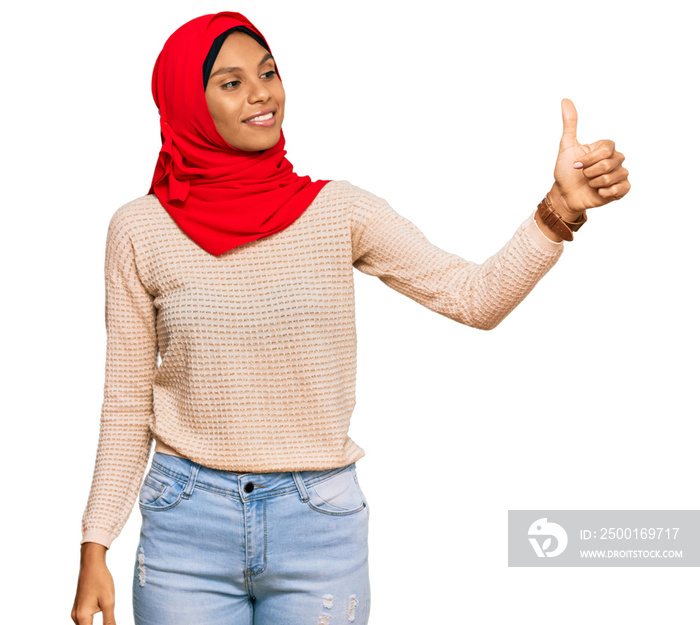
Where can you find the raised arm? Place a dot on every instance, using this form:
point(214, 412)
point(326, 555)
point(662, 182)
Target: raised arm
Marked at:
point(392, 248)
point(388, 246)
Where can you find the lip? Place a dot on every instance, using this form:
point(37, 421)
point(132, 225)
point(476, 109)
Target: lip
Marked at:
point(265, 123)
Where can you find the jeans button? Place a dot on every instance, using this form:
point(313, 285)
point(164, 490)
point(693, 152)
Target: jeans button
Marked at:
point(249, 487)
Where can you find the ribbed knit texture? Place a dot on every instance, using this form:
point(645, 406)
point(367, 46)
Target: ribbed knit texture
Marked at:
point(258, 346)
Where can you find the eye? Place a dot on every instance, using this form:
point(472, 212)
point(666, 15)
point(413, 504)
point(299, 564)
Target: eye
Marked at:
point(269, 74)
point(231, 84)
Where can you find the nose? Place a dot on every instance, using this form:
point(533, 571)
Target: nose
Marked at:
point(258, 92)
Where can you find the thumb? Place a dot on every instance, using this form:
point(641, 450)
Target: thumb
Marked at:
point(108, 614)
point(570, 118)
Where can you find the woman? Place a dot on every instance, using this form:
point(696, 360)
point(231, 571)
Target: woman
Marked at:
point(238, 273)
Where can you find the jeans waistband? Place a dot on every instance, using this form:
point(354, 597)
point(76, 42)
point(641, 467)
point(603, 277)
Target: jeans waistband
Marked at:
point(264, 485)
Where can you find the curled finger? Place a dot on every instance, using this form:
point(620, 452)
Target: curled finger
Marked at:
point(607, 180)
point(616, 191)
point(598, 151)
point(603, 165)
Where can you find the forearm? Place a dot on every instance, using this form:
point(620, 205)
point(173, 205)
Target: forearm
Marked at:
point(121, 459)
point(494, 288)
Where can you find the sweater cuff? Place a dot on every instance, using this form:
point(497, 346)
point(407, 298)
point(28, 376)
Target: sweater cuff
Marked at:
point(540, 239)
point(97, 536)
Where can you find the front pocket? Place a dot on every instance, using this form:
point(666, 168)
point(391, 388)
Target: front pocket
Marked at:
point(339, 495)
point(151, 490)
point(160, 491)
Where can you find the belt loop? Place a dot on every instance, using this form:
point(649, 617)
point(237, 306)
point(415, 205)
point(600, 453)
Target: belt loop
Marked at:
point(301, 487)
point(194, 470)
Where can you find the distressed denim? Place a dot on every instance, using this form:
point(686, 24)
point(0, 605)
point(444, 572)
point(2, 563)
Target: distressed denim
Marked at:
point(220, 548)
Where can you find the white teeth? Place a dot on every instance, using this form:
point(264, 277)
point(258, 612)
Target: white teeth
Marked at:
point(261, 118)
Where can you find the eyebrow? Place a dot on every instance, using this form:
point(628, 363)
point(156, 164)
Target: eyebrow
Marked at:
point(230, 70)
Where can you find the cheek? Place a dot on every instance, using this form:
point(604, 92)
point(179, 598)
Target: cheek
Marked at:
point(214, 107)
point(225, 116)
point(281, 103)
point(278, 92)
point(221, 108)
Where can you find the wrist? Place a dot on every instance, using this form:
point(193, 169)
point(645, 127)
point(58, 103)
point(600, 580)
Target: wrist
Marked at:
point(559, 204)
point(555, 226)
point(92, 552)
point(546, 230)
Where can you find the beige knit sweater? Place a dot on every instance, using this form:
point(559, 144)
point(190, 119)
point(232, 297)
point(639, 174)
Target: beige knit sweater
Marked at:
point(258, 346)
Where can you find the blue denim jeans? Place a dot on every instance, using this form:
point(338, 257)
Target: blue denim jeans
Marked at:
point(221, 548)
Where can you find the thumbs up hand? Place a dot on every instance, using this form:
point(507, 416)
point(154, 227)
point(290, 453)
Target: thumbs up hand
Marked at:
point(586, 175)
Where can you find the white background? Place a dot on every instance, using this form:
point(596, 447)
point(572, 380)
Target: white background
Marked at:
point(584, 398)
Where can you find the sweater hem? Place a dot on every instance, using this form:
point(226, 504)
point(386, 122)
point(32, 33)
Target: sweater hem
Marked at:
point(98, 536)
point(540, 238)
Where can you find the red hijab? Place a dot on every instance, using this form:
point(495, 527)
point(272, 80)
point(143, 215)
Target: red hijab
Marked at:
point(220, 197)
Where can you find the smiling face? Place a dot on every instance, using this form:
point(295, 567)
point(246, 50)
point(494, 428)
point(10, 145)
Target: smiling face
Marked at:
point(245, 95)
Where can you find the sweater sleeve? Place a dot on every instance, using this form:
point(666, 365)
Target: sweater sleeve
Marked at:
point(392, 248)
point(124, 438)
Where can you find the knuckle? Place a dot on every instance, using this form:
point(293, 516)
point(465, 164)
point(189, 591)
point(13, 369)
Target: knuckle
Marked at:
point(621, 156)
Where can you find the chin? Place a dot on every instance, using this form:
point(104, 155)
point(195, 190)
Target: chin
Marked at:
point(261, 145)
point(256, 143)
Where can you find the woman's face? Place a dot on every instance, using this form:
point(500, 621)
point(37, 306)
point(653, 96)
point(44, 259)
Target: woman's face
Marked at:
point(245, 96)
